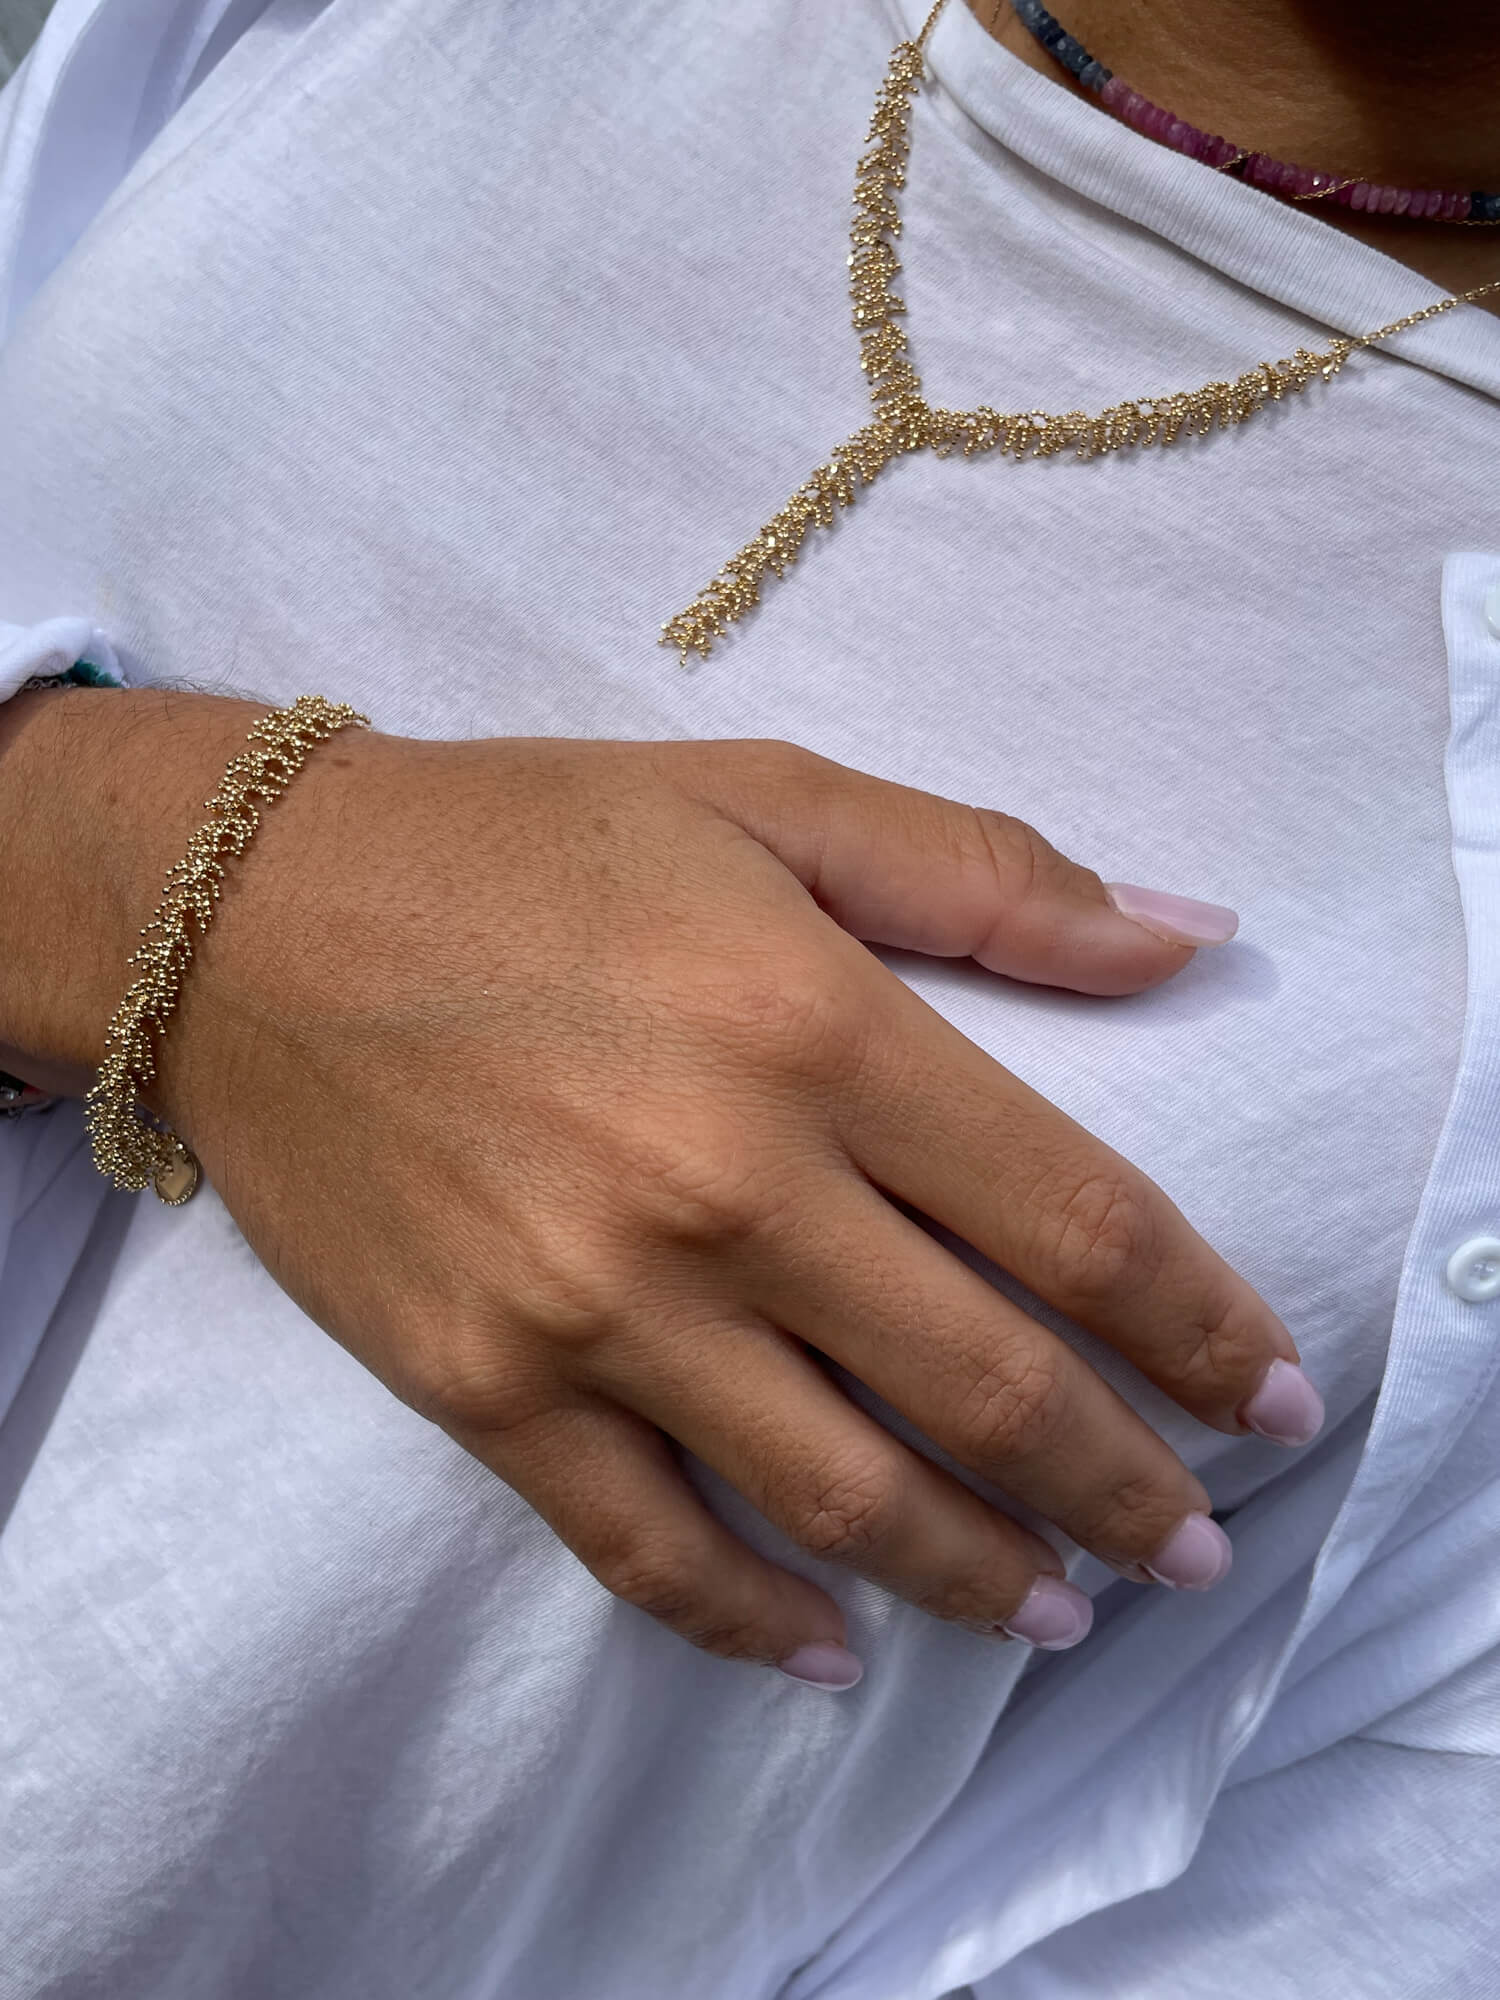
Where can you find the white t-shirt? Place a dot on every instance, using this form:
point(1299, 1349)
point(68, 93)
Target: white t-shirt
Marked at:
point(430, 357)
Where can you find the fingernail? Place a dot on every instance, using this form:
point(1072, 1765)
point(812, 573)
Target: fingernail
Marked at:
point(1196, 1555)
point(824, 1665)
point(1053, 1615)
point(1178, 919)
point(1286, 1408)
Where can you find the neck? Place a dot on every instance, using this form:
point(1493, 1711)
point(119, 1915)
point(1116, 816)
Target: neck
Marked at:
point(1390, 90)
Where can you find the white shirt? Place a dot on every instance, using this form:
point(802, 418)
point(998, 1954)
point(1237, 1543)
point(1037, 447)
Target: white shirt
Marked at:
point(430, 356)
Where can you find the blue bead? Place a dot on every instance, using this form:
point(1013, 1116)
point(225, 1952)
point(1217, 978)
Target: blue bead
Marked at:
point(1072, 54)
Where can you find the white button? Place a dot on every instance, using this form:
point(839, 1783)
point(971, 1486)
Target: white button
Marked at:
point(1492, 608)
point(1474, 1268)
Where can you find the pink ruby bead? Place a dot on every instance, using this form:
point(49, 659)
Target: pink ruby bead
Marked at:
point(1218, 152)
point(1388, 201)
point(1345, 195)
point(1403, 201)
point(1303, 182)
point(1115, 93)
point(1434, 203)
point(1176, 132)
point(1359, 194)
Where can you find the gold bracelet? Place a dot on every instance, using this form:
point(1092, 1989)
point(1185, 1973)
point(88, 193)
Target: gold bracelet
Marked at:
point(129, 1146)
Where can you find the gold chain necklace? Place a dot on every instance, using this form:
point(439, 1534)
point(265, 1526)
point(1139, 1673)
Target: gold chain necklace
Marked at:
point(905, 421)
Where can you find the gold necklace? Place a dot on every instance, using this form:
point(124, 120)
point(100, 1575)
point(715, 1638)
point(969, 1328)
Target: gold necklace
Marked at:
point(905, 421)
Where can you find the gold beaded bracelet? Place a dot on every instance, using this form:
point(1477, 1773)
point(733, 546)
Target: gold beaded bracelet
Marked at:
point(128, 1146)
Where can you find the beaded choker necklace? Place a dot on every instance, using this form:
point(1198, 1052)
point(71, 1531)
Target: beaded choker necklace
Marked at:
point(905, 421)
point(1278, 177)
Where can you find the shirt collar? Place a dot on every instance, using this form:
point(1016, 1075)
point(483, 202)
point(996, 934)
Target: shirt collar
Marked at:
point(1285, 253)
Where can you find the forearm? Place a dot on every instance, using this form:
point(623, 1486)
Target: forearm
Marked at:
point(99, 792)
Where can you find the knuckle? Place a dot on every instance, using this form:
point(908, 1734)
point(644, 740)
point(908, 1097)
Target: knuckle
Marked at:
point(730, 1638)
point(851, 1514)
point(1102, 1234)
point(1223, 1355)
point(566, 1286)
point(1134, 1517)
point(656, 1575)
point(1021, 859)
point(1012, 1409)
point(665, 1579)
point(792, 1015)
point(467, 1384)
point(774, 765)
point(777, 754)
point(694, 1185)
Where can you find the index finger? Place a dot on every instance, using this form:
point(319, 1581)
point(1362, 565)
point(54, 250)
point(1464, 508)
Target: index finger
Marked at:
point(935, 1121)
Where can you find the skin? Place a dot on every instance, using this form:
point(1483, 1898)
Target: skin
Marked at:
point(1397, 93)
point(655, 1098)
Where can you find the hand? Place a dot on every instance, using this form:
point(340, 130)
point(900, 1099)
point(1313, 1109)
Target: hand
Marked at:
point(550, 1078)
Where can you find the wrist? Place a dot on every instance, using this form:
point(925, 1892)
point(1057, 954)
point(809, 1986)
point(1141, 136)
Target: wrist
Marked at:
point(99, 793)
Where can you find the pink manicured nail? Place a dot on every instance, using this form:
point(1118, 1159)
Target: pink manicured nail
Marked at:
point(1177, 918)
point(824, 1665)
point(1053, 1615)
point(1194, 1557)
point(1286, 1408)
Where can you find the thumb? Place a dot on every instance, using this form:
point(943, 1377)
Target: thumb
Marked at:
point(906, 868)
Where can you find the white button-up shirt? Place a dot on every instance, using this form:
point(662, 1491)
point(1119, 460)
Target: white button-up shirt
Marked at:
point(430, 356)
